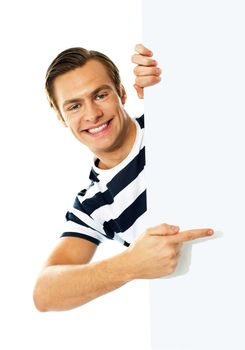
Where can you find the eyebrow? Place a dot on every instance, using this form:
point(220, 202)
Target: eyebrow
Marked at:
point(93, 93)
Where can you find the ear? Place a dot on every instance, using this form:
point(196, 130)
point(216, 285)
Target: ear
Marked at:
point(123, 94)
point(61, 119)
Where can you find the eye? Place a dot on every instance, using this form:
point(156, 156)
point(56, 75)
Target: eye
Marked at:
point(74, 107)
point(101, 96)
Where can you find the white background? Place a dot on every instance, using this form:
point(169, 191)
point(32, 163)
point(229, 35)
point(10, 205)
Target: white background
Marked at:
point(196, 162)
point(43, 167)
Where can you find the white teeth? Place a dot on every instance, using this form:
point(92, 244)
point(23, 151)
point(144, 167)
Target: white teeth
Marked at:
point(96, 130)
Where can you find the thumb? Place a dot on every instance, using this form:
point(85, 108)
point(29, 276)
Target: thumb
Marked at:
point(163, 230)
point(140, 91)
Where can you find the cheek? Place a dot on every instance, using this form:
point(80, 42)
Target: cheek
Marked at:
point(74, 123)
point(115, 109)
point(113, 104)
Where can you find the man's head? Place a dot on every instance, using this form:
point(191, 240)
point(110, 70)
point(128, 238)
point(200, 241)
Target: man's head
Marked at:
point(84, 88)
point(73, 58)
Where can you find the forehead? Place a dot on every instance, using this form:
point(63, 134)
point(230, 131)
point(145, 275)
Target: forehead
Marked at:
point(81, 81)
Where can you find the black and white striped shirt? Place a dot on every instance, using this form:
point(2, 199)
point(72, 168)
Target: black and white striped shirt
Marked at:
point(113, 205)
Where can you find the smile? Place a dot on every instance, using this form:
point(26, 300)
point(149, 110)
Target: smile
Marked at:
point(98, 129)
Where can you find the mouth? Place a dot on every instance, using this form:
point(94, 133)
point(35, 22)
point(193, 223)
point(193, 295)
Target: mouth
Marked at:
point(98, 130)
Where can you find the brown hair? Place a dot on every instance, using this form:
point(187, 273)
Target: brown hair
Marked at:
point(73, 58)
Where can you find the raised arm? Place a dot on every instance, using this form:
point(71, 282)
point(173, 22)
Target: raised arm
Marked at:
point(147, 71)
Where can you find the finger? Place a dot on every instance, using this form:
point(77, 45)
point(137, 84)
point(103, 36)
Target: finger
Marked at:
point(143, 60)
point(163, 230)
point(141, 49)
point(140, 91)
point(145, 71)
point(192, 234)
point(147, 81)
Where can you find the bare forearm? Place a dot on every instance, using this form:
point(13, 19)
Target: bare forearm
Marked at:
point(62, 287)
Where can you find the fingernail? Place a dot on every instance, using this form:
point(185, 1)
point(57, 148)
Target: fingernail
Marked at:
point(210, 232)
point(174, 228)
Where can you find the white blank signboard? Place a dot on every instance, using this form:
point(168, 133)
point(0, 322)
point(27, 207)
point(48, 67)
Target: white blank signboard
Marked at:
point(195, 134)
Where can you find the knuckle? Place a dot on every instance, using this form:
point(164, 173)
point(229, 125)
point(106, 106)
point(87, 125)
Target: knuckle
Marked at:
point(138, 47)
point(157, 71)
point(149, 62)
point(153, 79)
point(136, 70)
point(138, 80)
point(133, 58)
point(162, 228)
point(150, 230)
point(166, 228)
point(171, 254)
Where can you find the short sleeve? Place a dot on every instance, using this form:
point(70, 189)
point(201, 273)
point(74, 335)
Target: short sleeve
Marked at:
point(80, 224)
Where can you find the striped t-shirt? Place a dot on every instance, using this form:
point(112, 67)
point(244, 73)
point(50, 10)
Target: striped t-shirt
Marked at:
point(113, 205)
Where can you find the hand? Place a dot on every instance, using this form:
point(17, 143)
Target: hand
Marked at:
point(155, 253)
point(147, 73)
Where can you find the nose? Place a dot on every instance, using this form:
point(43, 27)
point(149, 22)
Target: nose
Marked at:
point(92, 112)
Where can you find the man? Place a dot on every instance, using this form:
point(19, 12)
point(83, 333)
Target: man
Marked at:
point(85, 90)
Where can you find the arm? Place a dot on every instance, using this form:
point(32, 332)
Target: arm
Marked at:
point(68, 281)
point(147, 72)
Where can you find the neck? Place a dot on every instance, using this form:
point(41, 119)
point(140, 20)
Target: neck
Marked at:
point(108, 161)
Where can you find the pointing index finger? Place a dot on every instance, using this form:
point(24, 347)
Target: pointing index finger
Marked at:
point(192, 234)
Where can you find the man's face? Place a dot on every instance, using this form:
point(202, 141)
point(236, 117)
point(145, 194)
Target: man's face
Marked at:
point(89, 104)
